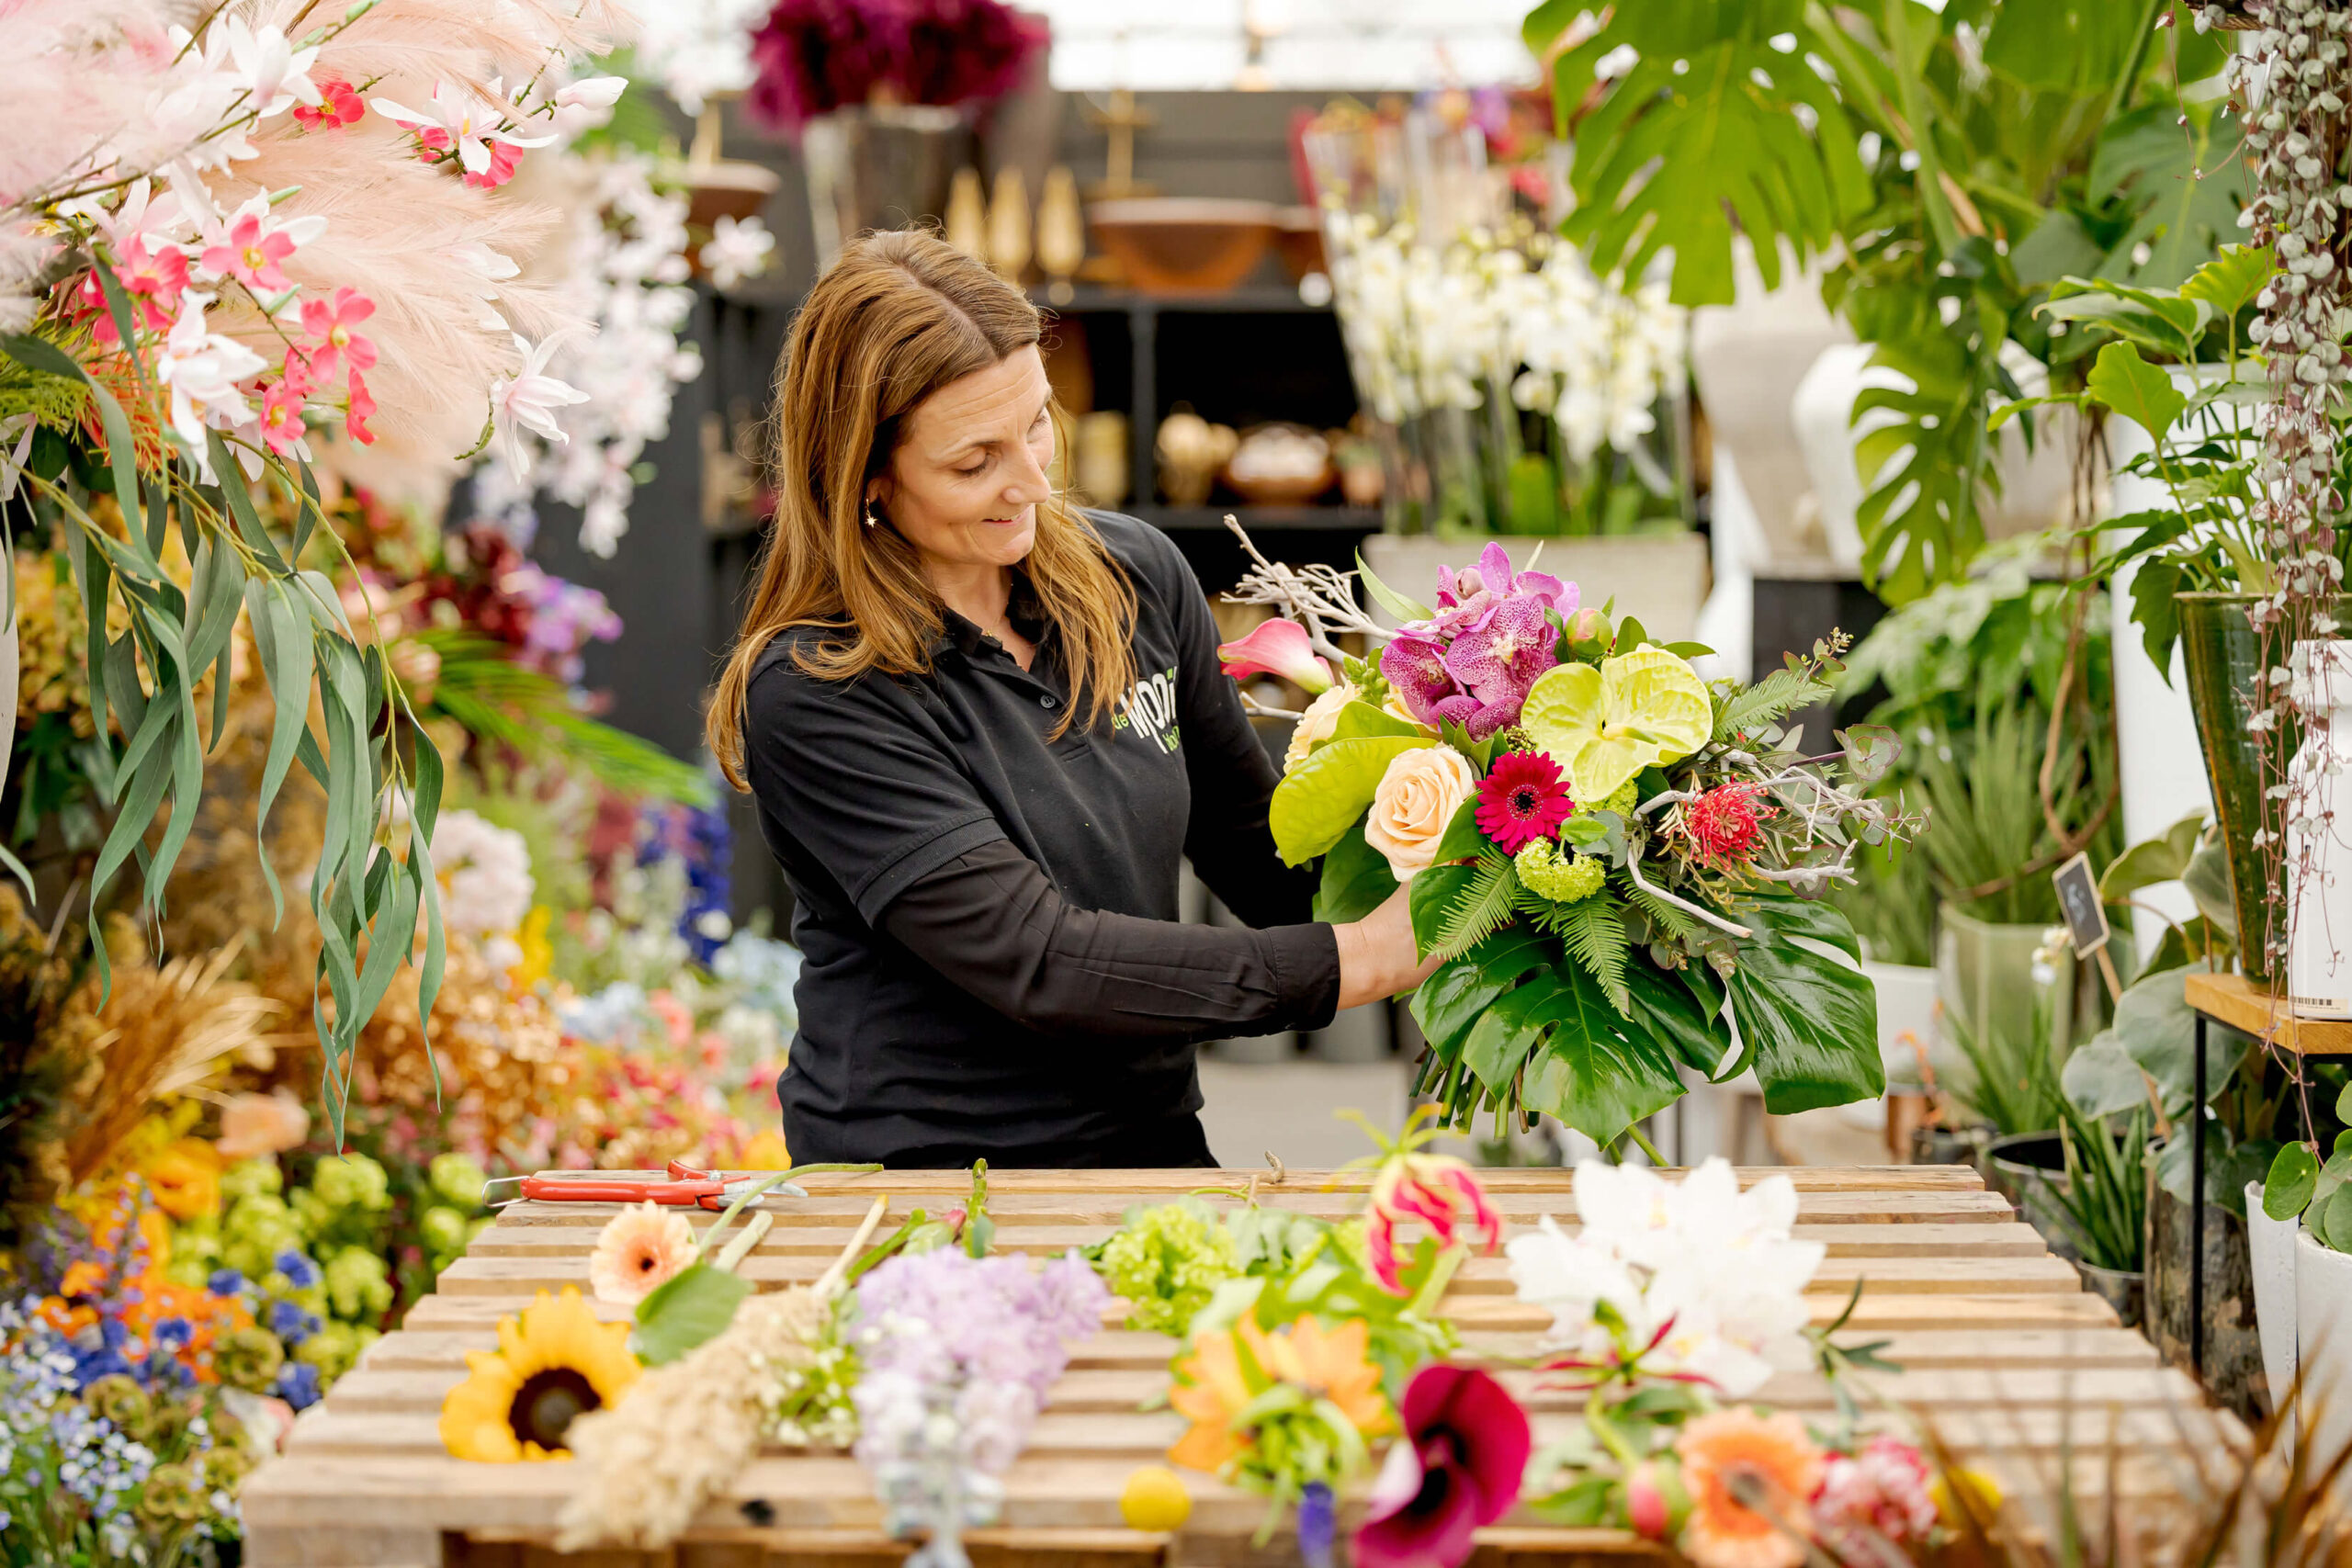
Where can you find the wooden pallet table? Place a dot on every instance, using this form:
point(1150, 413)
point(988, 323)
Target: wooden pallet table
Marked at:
point(2017, 1366)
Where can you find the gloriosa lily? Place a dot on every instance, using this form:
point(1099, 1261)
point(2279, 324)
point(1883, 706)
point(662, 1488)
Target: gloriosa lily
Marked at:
point(1438, 1191)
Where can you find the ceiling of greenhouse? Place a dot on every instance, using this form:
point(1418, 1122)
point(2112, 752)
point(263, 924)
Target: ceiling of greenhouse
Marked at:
point(1358, 45)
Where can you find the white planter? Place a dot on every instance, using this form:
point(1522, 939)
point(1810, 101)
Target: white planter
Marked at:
point(1660, 579)
point(2272, 1243)
point(2159, 764)
point(1906, 1018)
point(2324, 1341)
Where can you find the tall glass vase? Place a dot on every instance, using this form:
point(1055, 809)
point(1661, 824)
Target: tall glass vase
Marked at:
point(881, 166)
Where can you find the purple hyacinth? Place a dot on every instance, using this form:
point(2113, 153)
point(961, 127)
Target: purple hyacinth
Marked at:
point(1473, 662)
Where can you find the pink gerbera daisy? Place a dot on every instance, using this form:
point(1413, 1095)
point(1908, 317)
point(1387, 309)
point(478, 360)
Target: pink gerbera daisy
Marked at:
point(1524, 798)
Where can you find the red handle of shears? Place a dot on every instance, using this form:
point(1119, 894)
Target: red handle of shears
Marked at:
point(565, 1190)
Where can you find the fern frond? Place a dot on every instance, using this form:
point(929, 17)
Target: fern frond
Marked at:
point(1592, 930)
point(1676, 923)
point(1483, 908)
point(1774, 697)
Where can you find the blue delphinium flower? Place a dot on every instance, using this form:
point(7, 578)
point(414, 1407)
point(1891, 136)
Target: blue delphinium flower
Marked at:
point(298, 1385)
point(226, 1283)
point(291, 1324)
point(1318, 1525)
point(299, 1271)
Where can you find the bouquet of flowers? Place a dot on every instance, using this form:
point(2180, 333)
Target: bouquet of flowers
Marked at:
point(1618, 863)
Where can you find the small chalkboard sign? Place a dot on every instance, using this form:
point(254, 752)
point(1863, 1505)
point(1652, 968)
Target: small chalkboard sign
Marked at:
point(2085, 915)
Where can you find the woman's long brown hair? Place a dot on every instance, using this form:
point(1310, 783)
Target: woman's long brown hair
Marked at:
point(898, 317)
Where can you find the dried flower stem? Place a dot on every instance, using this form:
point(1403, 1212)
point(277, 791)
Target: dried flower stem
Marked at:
point(1320, 598)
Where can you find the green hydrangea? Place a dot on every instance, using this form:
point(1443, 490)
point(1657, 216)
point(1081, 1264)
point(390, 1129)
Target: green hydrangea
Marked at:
point(459, 1179)
point(336, 1348)
point(1168, 1262)
point(443, 1230)
point(351, 1181)
point(1563, 878)
point(1623, 800)
point(256, 1229)
point(251, 1179)
point(360, 1284)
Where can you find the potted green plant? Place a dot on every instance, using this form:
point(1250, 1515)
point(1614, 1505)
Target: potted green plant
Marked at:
point(2307, 1329)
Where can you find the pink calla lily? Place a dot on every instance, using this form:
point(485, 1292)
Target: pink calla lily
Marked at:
point(1276, 648)
point(1458, 1465)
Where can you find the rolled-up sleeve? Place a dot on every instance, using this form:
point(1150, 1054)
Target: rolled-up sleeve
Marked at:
point(989, 921)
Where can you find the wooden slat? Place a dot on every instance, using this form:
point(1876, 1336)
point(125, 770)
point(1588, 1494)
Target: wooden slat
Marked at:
point(2017, 1367)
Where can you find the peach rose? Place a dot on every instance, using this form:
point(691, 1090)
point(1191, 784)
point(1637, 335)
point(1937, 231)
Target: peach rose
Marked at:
point(1417, 799)
point(1315, 725)
point(256, 1125)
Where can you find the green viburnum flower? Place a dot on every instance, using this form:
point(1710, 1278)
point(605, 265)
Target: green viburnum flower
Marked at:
point(1564, 879)
point(360, 1284)
point(248, 1359)
point(250, 1177)
point(1168, 1262)
point(443, 1230)
point(256, 1228)
point(459, 1179)
point(1623, 800)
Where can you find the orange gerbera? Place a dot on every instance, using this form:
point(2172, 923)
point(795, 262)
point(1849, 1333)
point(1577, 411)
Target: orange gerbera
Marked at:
point(1734, 1458)
point(1214, 1387)
point(639, 1251)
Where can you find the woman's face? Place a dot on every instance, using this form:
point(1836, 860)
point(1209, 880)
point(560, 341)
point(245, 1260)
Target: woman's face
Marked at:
point(964, 485)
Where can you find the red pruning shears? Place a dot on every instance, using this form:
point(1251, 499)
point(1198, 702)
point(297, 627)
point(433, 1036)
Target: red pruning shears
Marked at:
point(686, 1186)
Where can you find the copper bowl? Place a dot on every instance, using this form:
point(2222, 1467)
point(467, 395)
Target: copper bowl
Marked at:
point(1299, 241)
point(1183, 245)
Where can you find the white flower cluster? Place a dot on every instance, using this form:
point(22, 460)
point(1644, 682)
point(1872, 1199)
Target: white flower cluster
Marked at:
point(487, 871)
point(1715, 1268)
point(699, 48)
point(628, 274)
point(1432, 327)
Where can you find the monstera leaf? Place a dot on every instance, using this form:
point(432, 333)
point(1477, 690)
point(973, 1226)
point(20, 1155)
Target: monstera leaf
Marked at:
point(1809, 1021)
point(1710, 123)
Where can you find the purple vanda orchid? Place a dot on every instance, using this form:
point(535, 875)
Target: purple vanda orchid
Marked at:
point(1473, 662)
point(1276, 648)
point(1458, 1465)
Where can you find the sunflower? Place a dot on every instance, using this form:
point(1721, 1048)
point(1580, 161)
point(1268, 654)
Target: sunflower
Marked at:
point(554, 1363)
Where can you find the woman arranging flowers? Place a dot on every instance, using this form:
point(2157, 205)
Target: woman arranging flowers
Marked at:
point(984, 728)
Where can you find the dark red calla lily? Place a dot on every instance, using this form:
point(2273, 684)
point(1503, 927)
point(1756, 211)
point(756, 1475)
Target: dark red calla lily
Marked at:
point(1458, 1465)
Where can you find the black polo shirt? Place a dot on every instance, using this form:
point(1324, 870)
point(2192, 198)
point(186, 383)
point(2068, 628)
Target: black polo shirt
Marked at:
point(874, 789)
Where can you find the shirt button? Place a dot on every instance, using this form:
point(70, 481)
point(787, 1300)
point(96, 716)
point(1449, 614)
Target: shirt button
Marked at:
point(1044, 702)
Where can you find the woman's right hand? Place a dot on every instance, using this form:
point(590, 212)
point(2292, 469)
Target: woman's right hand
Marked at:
point(1377, 955)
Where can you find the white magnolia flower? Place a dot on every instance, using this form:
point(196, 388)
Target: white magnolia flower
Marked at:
point(584, 105)
point(274, 72)
point(186, 113)
point(529, 397)
point(736, 250)
point(471, 122)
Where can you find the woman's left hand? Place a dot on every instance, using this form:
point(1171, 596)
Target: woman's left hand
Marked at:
point(1378, 957)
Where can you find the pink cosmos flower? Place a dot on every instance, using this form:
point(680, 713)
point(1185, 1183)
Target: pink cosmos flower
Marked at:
point(1458, 1465)
point(281, 417)
point(154, 278)
point(296, 372)
point(339, 105)
point(1432, 1189)
point(359, 411)
point(1276, 648)
point(249, 251)
point(335, 324)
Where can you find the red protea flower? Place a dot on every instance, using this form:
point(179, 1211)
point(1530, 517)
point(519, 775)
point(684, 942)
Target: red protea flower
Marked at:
point(1725, 821)
point(1524, 798)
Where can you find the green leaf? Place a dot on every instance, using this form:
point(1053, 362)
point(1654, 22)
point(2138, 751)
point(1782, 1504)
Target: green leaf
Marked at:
point(1403, 609)
point(1319, 800)
point(2161, 859)
point(2101, 1080)
point(2138, 391)
point(2336, 1226)
point(2289, 1187)
point(1464, 840)
point(1593, 932)
point(1595, 1072)
point(2155, 1028)
point(1454, 998)
point(1432, 897)
point(1663, 1005)
point(1773, 699)
point(691, 1307)
point(1482, 907)
point(1810, 1020)
point(1356, 880)
point(1359, 721)
point(2176, 167)
point(2231, 279)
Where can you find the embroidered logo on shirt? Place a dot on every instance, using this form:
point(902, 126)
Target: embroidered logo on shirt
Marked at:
point(1150, 709)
